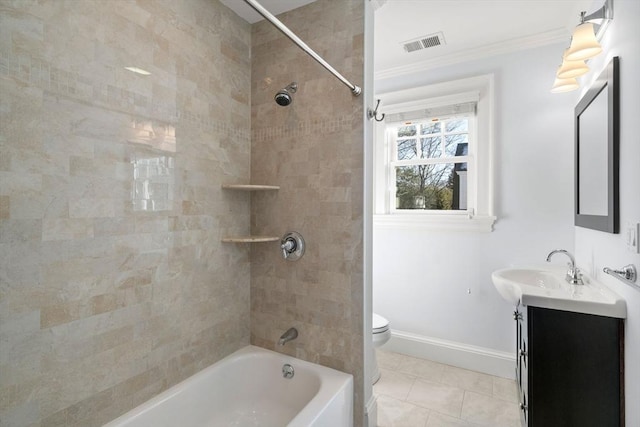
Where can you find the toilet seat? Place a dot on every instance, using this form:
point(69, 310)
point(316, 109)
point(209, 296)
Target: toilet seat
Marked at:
point(380, 324)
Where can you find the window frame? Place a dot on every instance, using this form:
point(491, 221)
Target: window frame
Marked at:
point(391, 142)
point(479, 215)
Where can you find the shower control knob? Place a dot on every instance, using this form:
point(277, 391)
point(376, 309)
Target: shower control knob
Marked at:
point(288, 247)
point(292, 245)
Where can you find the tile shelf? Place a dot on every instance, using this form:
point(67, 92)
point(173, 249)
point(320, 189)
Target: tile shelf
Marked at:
point(249, 187)
point(250, 239)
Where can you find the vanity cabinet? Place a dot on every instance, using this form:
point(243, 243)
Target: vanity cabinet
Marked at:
point(569, 368)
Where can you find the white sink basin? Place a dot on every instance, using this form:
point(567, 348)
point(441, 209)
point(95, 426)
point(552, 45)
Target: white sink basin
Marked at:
point(548, 288)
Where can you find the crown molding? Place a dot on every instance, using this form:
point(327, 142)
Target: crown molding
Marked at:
point(513, 45)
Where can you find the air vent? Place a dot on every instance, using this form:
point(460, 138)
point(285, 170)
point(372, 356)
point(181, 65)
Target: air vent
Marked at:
point(424, 42)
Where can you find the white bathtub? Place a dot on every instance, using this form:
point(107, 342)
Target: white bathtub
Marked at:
point(247, 388)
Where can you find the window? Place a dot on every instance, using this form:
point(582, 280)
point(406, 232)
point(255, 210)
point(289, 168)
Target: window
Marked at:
point(433, 157)
point(429, 163)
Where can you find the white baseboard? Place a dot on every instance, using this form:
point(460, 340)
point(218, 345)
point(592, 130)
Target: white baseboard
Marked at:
point(371, 412)
point(465, 356)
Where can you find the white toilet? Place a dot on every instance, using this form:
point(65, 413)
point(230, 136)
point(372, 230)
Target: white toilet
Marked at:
point(381, 334)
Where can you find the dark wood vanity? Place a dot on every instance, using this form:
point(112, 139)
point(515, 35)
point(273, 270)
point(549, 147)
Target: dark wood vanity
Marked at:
point(570, 368)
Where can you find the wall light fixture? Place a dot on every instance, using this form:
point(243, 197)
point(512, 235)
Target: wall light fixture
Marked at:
point(570, 69)
point(584, 46)
point(564, 85)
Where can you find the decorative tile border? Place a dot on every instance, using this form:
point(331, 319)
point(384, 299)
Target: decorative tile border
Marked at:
point(316, 126)
point(41, 74)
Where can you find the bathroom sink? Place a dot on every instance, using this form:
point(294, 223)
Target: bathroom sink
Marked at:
point(547, 288)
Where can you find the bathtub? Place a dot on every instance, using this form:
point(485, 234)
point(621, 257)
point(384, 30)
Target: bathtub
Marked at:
point(247, 388)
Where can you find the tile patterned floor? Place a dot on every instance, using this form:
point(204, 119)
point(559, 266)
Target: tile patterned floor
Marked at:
point(419, 393)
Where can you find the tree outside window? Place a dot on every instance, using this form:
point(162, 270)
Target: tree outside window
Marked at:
point(430, 164)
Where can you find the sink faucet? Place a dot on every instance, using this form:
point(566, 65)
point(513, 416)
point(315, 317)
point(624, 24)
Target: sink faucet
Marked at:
point(290, 335)
point(573, 274)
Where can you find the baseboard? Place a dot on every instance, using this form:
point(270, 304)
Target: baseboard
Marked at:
point(371, 412)
point(465, 356)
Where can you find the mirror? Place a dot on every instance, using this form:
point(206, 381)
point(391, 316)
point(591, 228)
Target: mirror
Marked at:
point(597, 153)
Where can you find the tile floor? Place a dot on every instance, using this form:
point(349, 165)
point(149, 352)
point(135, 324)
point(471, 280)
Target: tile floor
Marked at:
point(420, 393)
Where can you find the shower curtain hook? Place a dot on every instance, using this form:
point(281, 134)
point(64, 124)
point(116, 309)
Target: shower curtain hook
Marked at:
point(373, 114)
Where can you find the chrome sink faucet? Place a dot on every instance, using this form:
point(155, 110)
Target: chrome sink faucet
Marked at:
point(290, 335)
point(573, 274)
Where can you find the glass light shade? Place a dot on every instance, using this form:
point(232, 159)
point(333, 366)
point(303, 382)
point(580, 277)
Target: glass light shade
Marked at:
point(584, 44)
point(564, 85)
point(571, 69)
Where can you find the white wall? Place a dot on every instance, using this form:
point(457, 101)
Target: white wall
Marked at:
point(595, 249)
point(420, 278)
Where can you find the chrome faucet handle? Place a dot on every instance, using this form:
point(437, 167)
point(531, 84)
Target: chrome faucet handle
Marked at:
point(288, 247)
point(573, 276)
point(292, 245)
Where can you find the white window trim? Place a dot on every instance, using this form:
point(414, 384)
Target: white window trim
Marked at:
point(480, 217)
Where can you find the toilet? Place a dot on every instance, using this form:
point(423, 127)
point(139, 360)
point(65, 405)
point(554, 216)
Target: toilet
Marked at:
point(381, 334)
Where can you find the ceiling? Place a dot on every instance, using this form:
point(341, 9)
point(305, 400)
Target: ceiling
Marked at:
point(471, 29)
point(275, 7)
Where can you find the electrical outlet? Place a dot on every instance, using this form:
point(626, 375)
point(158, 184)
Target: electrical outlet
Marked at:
point(632, 235)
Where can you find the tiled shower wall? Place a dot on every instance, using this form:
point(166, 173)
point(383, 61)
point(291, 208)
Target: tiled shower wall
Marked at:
point(312, 149)
point(114, 284)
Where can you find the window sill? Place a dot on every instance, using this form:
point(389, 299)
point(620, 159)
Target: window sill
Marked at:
point(481, 224)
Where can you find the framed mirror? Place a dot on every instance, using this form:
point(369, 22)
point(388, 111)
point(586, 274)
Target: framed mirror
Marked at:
point(597, 153)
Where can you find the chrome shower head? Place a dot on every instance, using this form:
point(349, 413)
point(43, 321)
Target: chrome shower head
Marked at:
point(283, 97)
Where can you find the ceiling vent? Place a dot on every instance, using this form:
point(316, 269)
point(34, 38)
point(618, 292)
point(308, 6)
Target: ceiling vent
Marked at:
point(424, 42)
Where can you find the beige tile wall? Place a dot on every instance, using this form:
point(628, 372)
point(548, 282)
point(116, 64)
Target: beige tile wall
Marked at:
point(312, 149)
point(114, 284)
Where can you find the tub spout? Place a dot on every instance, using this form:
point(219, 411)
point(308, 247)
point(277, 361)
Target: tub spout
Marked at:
point(291, 334)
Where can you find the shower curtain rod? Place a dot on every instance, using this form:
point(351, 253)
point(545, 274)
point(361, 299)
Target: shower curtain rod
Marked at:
point(356, 90)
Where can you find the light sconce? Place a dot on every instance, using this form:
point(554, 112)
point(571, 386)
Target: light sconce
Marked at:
point(564, 85)
point(584, 46)
point(571, 69)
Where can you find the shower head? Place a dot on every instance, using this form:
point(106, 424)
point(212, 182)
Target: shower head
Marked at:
point(283, 97)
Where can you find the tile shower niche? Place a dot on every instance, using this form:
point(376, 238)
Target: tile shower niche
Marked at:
point(250, 238)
